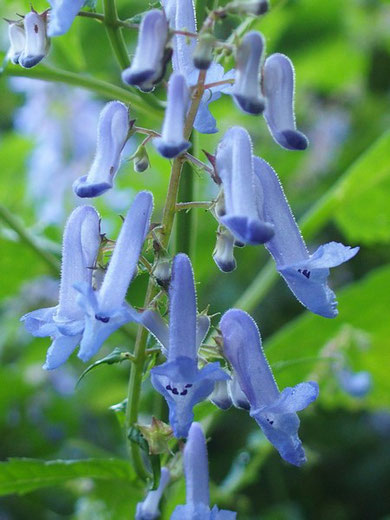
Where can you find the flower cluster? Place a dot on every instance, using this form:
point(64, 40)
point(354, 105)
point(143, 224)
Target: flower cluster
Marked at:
point(251, 209)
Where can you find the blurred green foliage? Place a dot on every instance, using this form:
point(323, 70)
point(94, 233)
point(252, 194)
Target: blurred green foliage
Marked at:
point(341, 52)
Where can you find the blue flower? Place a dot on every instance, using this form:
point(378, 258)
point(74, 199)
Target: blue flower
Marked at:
point(356, 384)
point(278, 89)
point(242, 211)
point(36, 41)
point(181, 16)
point(172, 142)
point(246, 91)
point(305, 274)
point(65, 322)
point(62, 14)
point(113, 128)
point(149, 62)
point(105, 310)
point(179, 380)
point(274, 411)
point(197, 482)
point(148, 509)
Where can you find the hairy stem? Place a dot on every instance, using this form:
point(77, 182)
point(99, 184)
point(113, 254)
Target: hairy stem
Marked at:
point(25, 237)
point(135, 381)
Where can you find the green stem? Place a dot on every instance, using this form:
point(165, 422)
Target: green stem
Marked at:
point(28, 239)
point(184, 219)
point(102, 88)
point(114, 33)
point(135, 381)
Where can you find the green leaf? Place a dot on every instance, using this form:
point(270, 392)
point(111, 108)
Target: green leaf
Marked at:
point(24, 475)
point(116, 356)
point(363, 306)
point(365, 216)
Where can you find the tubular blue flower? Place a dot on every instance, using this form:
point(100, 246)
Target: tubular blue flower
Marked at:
point(36, 44)
point(148, 509)
point(113, 128)
point(274, 411)
point(356, 384)
point(246, 91)
point(65, 322)
point(62, 14)
point(305, 274)
point(151, 56)
point(181, 15)
point(179, 380)
point(220, 395)
point(278, 89)
point(197, 482)
point(172, 142)
point(17, 39)
point(105, 310)
point(242, 213)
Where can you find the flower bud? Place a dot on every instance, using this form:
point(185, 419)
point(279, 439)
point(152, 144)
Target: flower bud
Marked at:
point(203, 54)
point(162, 271)
point(36, 44)
point(255, 7)
point(17, 38)
point(223, 253)
point(141, 159)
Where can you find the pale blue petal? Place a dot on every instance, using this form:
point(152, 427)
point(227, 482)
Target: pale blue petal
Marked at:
point(125, 257)
point(148, 65)
point(152, 321)
point(205, 122)
point(172, 142)
point(183, 386)
point(305, 274)
point(196, 467)
point(36, 45)
point(243, 212)
point(62, 14)
point(182, 310)
point(60, 350)
point(356, 384)
point(220, 395)
point(202, 328)
point(242, 347)
point(40, 323)
point(148, 509)
point(113, 128)
point(278, 87)
point(237, 396)
point(294, 399)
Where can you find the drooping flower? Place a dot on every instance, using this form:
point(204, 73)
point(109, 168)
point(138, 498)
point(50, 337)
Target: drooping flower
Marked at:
point(172, 142)
point(113, 128)
point(278, 89)
point(36, 42)
point(62, 14)
point(274, 411)
point(197, 482)
point(148, 509)
point(151, 55)
point(181, 16)
point(356, 384)
point(223, 254)
point(179, 380)
point(65, 322)
point(246, 91)
point(242, 213)
point(305, 274)
point(105, 310)
point(17, 39)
